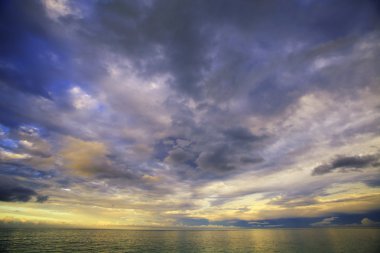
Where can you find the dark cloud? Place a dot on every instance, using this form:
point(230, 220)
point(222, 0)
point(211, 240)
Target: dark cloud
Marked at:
point(335, 219)
point(344, 163)
point(185, 39)
point(164, 36)
point(212, 151)
point(13, 194)
point(372, 182)
point(236, 149)
point(22, 170)
point(20, 194)
point(179, 156)
point(294, 201)
point(13, 191)
point(251, 160)
point(42, 198)
point(354, 161)
point(217, 159)
point(241, 134)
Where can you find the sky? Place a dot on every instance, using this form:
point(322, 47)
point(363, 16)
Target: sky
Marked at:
point(189, 114)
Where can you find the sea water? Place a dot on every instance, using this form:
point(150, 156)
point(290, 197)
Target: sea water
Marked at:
point(260, 240)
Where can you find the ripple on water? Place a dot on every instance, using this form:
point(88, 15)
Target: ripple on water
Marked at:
point(270, 240)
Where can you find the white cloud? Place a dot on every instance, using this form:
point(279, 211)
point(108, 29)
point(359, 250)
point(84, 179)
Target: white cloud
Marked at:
point(82, 100)
point(325, 222)
point(7, 155)
point(323, 62)
point(369, 222)
point(26, 144)
point(59, 8)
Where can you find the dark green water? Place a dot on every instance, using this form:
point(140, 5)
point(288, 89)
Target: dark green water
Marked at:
point(271, 240)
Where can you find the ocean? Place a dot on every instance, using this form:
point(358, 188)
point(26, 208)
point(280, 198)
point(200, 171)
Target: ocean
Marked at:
point(321, 240)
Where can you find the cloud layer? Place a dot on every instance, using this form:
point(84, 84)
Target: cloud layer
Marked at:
point(179, 113)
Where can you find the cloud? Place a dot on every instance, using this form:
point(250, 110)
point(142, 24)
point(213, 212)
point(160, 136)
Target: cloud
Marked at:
point(325, 222)
point(82, 100)
point(217, 159)
point(11, 191)
point(196, 109)
point(42, 199)
point(10, 222)
point(241, 134)
point(294, 201)
point(372, 182)
point(369, 222)
point(92, 159)
point(59, 8)
point(189, 221)
point(343, 163)
point(9, 155)
point(84, 157)
point(179, 156)
point(17, 194)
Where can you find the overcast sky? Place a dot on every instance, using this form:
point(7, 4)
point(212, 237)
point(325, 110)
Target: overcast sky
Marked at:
point(190, 113)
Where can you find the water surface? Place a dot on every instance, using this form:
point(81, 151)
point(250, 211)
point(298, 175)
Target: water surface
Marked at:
point(264, 240)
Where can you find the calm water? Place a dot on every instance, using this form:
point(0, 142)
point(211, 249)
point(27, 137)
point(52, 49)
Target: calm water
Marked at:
point(276, 240)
